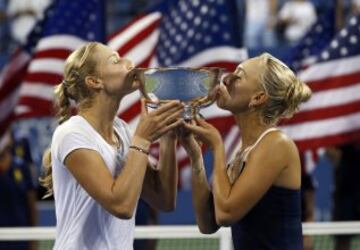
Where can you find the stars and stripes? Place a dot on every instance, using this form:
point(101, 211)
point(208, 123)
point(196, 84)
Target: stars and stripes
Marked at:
point(304, 53)
point(185, 33)
point(332, 116)
point(66, 26)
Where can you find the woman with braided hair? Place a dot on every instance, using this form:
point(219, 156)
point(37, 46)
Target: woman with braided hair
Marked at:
point(258, 193)
point(96, 170)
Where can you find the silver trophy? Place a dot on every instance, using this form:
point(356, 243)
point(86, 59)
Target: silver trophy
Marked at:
point(191, 86)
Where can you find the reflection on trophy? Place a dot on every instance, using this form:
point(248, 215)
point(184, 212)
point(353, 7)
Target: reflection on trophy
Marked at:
point(191, 86)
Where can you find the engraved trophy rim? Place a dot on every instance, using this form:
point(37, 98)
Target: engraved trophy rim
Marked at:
point(191, 107)
point(140, 71)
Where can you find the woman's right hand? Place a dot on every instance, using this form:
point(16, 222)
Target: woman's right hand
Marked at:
point(153, 125)
point(206, 132)
point(190, 144)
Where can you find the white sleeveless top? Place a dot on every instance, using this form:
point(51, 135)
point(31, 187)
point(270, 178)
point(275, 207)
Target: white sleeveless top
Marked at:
point(236, 166)
point(82, 223)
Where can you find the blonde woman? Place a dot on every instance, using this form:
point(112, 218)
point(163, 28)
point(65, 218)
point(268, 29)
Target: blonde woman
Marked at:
point(98, 170)
point(258, 193)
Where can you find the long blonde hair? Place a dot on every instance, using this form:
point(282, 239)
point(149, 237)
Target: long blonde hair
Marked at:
point(78, 65)
point(284, 89)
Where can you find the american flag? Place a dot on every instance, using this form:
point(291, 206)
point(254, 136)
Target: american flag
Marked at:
point(317, 38)
point(332, 116)
point(26, 83)
point(304, 53)
point(66, 26)
point(189, 33)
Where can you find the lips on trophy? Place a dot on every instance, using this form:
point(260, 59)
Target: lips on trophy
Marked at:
point(191, 86)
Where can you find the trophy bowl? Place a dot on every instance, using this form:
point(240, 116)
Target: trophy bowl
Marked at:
point(189, 85)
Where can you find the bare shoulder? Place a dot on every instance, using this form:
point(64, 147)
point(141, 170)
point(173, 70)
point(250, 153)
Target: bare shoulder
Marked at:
point(277, 144)
point(276, 147)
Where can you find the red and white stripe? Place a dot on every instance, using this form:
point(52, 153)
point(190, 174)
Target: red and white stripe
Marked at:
point(10, 82)
point(332, 115)
point(137, 41)
point(44, 72)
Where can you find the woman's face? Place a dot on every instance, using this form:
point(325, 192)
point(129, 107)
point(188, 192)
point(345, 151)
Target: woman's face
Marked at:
point(241, 85)
point(113, 70)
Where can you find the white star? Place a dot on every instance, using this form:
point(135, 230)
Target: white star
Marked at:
point(207, 39)
point(172, 31)
point(353, 40)
point(177, 20)
point(183, 7)
point(183, 26)
point(90, 36)
point(162, 53)
point(167, 61)
point(343, 32)
point(178, 38)
point(343, 51)
point(197, 21)
point(325, 55)
point(195, 3)
point(353, 21)
point(198, 36)
point(173, 50)
point(204, 9)
point(334, 44)
point(191, 49)
point(190, 15)
point(190, 32)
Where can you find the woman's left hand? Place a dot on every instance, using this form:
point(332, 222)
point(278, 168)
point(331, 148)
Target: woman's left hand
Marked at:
point(205, 132)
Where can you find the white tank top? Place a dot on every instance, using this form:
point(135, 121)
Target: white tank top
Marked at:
point(82, 223)
point(236, 166)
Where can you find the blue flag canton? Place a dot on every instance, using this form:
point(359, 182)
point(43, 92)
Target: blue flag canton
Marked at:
point(345, 44)
point(81, 18)
point(190, 26)
point(315, 40)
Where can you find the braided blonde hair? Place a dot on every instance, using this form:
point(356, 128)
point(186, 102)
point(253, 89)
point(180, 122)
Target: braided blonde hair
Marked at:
point(78, 65)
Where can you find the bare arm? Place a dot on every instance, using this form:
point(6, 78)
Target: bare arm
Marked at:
point(264, 165)
point(119, 195)
point(203, 199)
point(160, 185)
point(202, 196)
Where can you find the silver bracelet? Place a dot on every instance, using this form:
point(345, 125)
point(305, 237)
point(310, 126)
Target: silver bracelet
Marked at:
point(144, 151)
